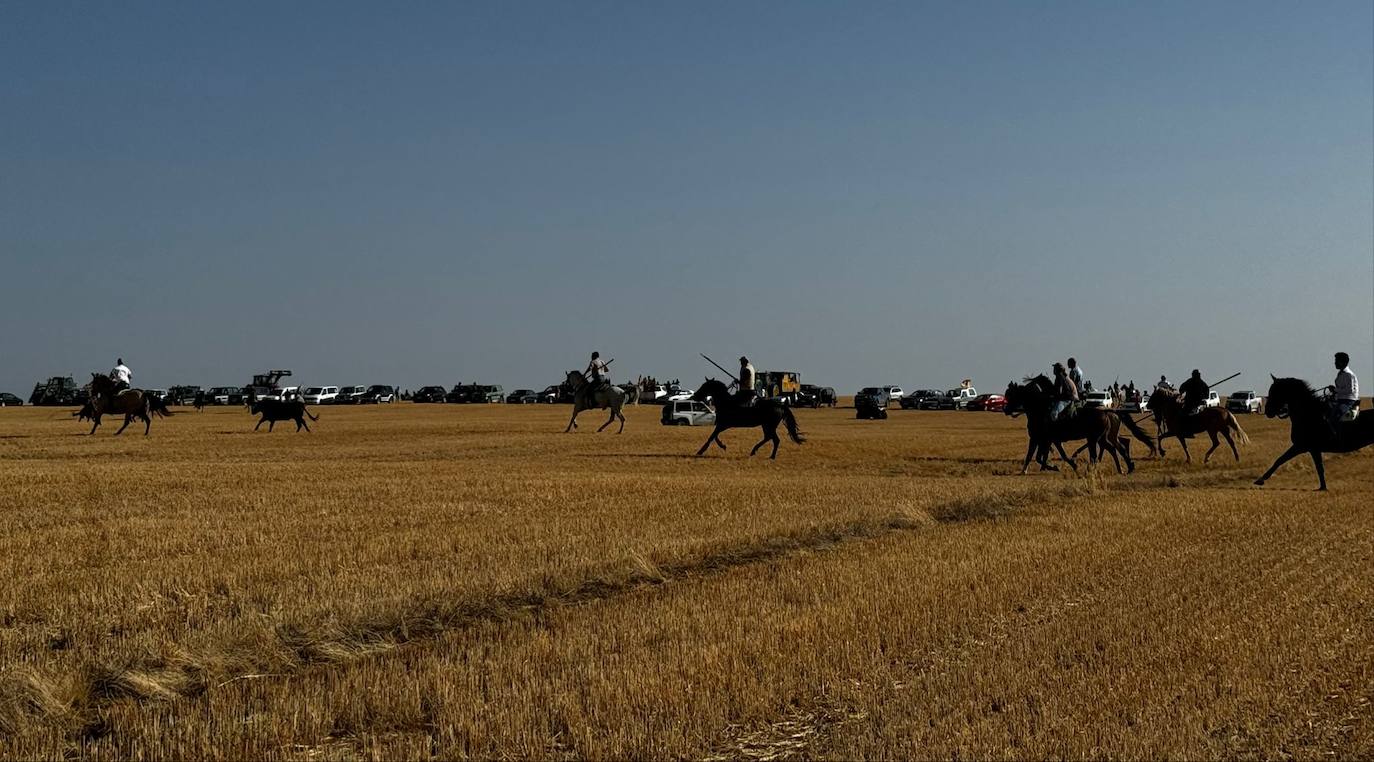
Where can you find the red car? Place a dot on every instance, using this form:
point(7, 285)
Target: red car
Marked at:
point(992, 403)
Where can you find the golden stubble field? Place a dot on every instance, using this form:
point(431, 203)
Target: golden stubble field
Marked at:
point(420, 581)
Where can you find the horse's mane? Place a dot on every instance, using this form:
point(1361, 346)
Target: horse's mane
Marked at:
point(1294, 389)
point(1039, 381)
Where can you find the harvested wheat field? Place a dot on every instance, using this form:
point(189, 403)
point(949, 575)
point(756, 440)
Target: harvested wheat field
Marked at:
point(437, 581)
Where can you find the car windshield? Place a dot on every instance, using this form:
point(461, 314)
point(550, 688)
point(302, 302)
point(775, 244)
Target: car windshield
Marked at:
point(1241, 395)
point(379, 388)
point(870, 390)
point(312, 390)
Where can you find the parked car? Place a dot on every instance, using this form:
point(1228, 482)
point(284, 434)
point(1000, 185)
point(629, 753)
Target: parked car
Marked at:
point(10, 400)
point(488, 393)
point(522, 397)
point(678, 395)
point(556, 394)
point(377, 394)
point(655, 394)
point(871, 402)
point(225, 395)
point(687, 412)
point(157, 393)
point(428, 394)
point(319, 395)
point(991, 403)
point(350, 395)
point(915, 400)
point(459, 393)
point(1213, 400)
point(954, 399)
point(182, 395)
point(811, 395)
point(1098, 399)
point(894, 393)
point(1243, 402)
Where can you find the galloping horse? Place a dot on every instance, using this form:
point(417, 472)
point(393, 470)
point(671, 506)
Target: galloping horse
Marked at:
point(1168, 408)
point(1101, 428)
point(131, 403)
point(730, 414)
point(1293, 399)
point(587, 398)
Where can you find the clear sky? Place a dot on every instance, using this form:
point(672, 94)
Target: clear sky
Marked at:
point(870, 193)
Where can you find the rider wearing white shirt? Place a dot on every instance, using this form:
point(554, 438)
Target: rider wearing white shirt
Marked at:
point(1346, 390)
point(121, 375)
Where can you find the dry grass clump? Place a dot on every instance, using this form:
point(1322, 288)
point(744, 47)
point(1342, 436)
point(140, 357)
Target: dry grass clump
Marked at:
point(465, 581)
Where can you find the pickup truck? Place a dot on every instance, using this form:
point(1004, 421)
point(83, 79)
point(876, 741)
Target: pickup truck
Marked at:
point(954, 399)
point(1243, 402)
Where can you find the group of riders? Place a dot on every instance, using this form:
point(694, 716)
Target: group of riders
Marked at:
point(1069, 388)
point(598, 372)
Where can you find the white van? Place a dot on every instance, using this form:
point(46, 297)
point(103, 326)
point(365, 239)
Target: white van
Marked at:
point(320, 395)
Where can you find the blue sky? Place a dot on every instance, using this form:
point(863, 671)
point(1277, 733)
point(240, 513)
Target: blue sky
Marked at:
point(869, 193)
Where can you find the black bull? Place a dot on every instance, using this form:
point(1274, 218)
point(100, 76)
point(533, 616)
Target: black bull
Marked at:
point(281, 410)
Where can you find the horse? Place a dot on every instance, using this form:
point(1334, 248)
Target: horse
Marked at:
point(131, 403)
point(1309, 431)
point(1101, 428)
point(585, 397)
point(732, 414)
point(1168, 408)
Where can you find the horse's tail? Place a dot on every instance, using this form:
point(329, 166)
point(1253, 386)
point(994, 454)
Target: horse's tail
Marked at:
point(306, 410)
point(1234, 423)
point(791, 421)
point(1138, 432)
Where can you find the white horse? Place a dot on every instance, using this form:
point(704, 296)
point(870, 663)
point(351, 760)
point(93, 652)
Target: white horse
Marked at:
point(587, 398)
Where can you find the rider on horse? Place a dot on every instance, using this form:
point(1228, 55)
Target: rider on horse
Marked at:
point(746, 394)
point(1345, 392)
point(121, 376)
point(1194, 392)
point(1065, 392)
point(598, 372)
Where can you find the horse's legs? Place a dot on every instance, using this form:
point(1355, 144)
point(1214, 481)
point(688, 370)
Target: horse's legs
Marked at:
point(608, 422)
point(1060, 447)
point(147, 424)
point(572, 424)
point(1215, 444)
point(776, 442)
point(715, 433)
point(1287, 455)
point(260, 422)
point(1030, 452)
point(270, 424)
point(1187, 456)
point(1321, 469)
point(621, 416)
point(1227, 433)
point(301, 422)
point(761, 443)
point(95, 425)
point(128, 418)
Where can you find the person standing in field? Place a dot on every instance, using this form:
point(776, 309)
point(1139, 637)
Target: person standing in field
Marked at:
point(1345, 391)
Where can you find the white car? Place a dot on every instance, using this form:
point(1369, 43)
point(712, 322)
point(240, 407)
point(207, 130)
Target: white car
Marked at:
point(687, 413)
point(655, 395)
point(1099, 399)
point(320, 395)
point(1213, 399)
point(681, 395)
point(1243, 402)
point(958, 399)
point(894, 393)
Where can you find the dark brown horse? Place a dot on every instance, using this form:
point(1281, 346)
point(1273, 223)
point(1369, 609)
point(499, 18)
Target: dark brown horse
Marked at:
point(1101, 428)
point(130, 403)
point(1310, 429)
point(1168, 408)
